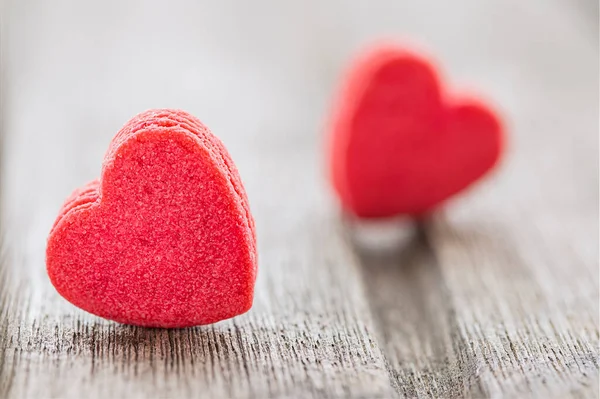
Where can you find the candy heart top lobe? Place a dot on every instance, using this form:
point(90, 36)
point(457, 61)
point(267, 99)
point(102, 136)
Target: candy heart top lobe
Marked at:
point(398, 145)
point(166, 237)
point(171, 118)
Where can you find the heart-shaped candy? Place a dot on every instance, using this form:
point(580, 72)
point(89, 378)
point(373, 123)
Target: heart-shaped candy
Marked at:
point(165, 238)
point(398, 145)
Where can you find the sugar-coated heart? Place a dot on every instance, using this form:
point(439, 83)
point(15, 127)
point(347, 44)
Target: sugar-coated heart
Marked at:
point(165, 238)
point(398, 145)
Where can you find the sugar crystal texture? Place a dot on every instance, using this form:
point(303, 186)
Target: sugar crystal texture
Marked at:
point(165, 238)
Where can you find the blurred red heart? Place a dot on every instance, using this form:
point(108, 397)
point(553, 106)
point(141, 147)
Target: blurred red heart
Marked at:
point(398, 145)
point(165, 238)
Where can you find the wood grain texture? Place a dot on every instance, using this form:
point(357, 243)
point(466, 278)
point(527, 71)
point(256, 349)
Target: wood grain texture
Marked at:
point(498, 296)
point(495, 296)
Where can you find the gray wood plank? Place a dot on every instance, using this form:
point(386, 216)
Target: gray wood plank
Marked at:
point(415, 316)
point(521, 257)
point(497, 296)
point(309, 333)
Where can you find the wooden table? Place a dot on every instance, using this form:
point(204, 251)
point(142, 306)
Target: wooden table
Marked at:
point(495, 296)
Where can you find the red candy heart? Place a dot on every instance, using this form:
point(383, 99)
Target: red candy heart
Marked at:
point(165, 238)
point(398, 145)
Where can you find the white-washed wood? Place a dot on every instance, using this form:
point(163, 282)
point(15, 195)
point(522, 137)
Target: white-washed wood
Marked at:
point(495, 297)
point(521, 256)
point(498, 295)
point(309, 333)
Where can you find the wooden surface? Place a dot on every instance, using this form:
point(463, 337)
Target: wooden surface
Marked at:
point(495, 296)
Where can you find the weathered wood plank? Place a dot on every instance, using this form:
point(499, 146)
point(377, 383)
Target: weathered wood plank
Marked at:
point(521, 258)
point(309, 333)
point(414, 313)
point(498, 296)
